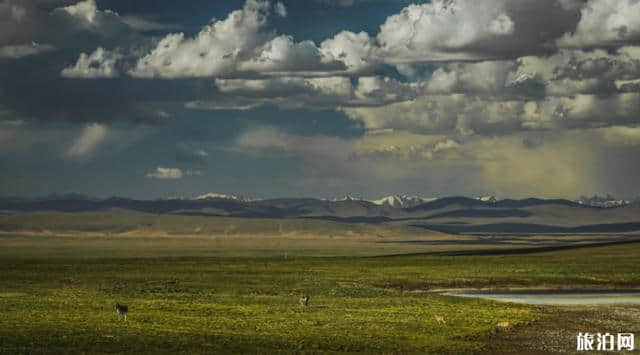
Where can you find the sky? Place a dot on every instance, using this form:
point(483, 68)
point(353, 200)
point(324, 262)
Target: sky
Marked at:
point(320, 98)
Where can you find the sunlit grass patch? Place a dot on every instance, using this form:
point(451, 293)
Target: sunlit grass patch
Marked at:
point(189, 304)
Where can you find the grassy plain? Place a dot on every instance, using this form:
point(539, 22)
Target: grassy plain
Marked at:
point(194, 294)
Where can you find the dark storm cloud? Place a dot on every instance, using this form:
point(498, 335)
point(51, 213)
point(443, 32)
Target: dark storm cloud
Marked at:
point(63, 24)
point(50, 35)
point(20, 21)
point(32, 89)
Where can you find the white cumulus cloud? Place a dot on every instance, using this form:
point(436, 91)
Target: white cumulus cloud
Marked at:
point(85, 10)
point(215, 50)
point(237, 46)
point(442, 29)
point(280, 9)
point(606, 23)
point(23, 50)
point(99, 64)
point(355, 50)
point(165, 174)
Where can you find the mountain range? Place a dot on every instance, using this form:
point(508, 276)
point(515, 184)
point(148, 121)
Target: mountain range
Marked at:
point(401, 201)
point(448, 214)
point(602, 201)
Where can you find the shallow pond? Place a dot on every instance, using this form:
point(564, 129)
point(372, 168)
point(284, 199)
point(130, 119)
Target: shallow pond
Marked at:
point(559, 297)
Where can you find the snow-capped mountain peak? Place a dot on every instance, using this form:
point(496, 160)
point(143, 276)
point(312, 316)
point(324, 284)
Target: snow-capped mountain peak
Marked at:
point(487, 198)
point(602, 201)
point(345, 198)
point(214, 196)
point(401, 201)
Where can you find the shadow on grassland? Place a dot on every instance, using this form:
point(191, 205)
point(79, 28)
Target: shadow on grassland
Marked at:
point(513, 251)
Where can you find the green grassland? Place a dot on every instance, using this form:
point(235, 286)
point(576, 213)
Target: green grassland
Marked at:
point(144, 224)
point(237, 293)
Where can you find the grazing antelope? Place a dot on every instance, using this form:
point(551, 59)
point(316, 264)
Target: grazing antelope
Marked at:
point(440, 319)
point(122, 310)
point(304, 299)
point(503, 324)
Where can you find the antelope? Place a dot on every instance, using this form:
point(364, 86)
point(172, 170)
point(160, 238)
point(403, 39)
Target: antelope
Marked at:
point(503, 324)
point(440, 319)
point(304, 299)
point(122, 310)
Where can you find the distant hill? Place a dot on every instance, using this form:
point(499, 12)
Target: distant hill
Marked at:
point(455, 214)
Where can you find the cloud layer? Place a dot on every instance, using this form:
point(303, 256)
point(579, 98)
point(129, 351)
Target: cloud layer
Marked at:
point(516, 97)
point(165, 174)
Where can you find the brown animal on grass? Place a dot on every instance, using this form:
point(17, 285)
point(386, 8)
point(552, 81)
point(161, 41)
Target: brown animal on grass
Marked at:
point(122, 311)
point(304, 299)
point(440, 319)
